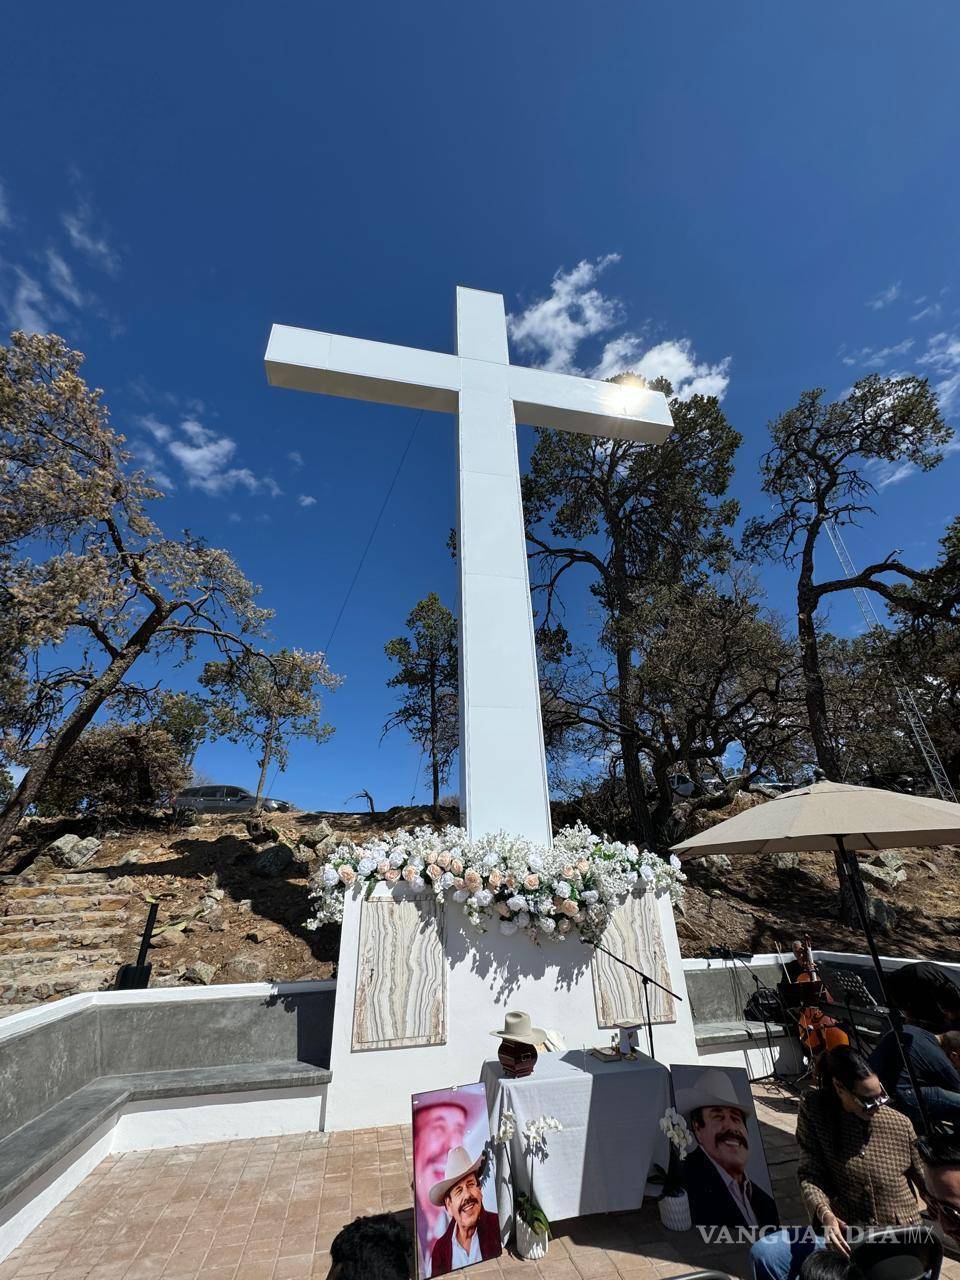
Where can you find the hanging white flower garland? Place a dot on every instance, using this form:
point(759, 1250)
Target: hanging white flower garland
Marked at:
point(569, 888)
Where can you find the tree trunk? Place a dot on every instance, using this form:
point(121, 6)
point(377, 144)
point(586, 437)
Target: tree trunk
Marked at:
point(50, 756)
point(814, 692)
point(434, 727)
point(265, 763)
point(816, 702)
point(629, 747)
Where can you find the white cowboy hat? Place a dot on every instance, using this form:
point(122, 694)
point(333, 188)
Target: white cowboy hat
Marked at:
point(459, 1165)
point(712, 1088)
point(516, 1026)
point(472, 1104)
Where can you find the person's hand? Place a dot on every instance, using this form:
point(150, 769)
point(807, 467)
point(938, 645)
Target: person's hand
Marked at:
point(834, 1230)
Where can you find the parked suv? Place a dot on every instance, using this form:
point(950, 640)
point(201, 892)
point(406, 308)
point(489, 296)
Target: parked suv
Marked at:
point(224, 800)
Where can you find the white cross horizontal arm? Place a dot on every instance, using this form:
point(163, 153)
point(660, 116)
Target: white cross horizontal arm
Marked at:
point(308, 360)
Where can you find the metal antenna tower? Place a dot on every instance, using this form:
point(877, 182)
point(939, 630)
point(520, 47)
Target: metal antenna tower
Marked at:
point(906, 699)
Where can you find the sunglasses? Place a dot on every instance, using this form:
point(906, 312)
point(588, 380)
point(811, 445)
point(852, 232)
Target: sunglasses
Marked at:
point(869, 1104)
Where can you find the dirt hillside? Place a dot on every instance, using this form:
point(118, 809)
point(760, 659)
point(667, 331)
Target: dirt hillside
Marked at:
point(230, 911)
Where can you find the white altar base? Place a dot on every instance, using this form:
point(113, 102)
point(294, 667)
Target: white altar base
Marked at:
point(487, 974)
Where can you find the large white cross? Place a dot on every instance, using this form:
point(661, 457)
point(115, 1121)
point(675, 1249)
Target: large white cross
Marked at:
point(503, 773)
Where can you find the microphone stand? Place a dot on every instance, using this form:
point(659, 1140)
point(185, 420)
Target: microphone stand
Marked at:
point(724, 953)
point(647, 982)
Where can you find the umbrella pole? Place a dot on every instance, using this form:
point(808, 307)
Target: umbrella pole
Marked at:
point(852, 867)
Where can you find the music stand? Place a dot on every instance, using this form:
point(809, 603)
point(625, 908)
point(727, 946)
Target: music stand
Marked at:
point(848, 989)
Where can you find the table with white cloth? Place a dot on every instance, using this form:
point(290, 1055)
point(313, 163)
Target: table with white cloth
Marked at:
point(599, 1162)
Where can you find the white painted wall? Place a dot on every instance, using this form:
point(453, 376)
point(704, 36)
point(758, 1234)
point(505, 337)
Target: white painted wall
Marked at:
point(487, 975)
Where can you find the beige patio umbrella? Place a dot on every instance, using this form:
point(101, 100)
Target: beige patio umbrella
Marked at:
point(842, 819)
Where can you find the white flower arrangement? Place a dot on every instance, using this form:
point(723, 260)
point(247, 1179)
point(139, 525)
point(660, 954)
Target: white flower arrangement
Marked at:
point(535, 1132)
point(674, 1125)
point(508, 1128)
point(566, 890)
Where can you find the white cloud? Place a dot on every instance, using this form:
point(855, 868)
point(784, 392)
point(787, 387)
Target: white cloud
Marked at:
point(942, 357)
point(932, 309)
point(887, 473)
point(553, 328)
point(206, 458)
point(885, 297)
point(6, 217)
point(82, 236)
point(62, 279)
point(306, 500)
point(875, 357)
point(28, 307)
point(154, 465)
point(675, 361)
point(295, 458)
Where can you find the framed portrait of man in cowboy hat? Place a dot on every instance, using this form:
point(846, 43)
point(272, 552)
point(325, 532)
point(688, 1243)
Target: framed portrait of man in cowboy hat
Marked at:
point(725, 1173)
point(455, 1202)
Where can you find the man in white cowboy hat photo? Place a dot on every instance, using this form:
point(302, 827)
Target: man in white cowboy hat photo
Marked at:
point(440, 1123)
point(720, 1192)
point(474, 1233)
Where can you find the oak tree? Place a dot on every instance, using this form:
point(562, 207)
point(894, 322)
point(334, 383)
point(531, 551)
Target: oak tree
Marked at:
point(88, 582)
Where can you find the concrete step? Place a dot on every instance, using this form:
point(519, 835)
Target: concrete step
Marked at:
point(37, 964)
point(55, 877)
point(30, 990)
point(30, 941)
point(53, 888)
point(60, 920)
point(18, 902)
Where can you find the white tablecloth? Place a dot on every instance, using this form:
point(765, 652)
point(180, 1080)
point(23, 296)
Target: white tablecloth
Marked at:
point(610, 1112)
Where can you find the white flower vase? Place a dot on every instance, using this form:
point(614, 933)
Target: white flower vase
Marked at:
point(530, 1243)
point(675, 1212)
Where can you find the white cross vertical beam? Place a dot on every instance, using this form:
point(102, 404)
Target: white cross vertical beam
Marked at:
point(503, 768)
point(502, 759)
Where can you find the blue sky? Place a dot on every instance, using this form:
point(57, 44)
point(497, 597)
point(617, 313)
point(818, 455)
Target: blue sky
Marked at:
point(764, 197)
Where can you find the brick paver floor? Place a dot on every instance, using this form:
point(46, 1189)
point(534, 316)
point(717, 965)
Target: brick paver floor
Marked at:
point(267, 1209)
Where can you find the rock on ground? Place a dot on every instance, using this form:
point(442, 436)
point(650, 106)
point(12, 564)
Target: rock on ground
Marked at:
point(272, 861)
point(201, 973)
point(71, 851)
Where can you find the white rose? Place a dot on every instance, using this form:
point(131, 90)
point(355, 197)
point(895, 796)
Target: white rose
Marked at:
point(367, 866)
point(460, 895)
point(397, 858)
point(675, 862)
point(535, 862)
point(590, 897)
point(446, 880)
point(330, 876)
point(517, 903)
point(547, 925)
point(483, 898)
point(563, 889)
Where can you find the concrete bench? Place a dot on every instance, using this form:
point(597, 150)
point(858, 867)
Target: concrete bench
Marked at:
point(30, 1151)
point(718, 991)
point(120, 1071)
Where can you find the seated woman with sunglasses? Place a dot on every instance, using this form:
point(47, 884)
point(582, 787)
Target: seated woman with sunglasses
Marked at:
point(858, 1165)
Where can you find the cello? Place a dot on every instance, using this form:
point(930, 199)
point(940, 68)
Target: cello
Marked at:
point(818, 1031)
